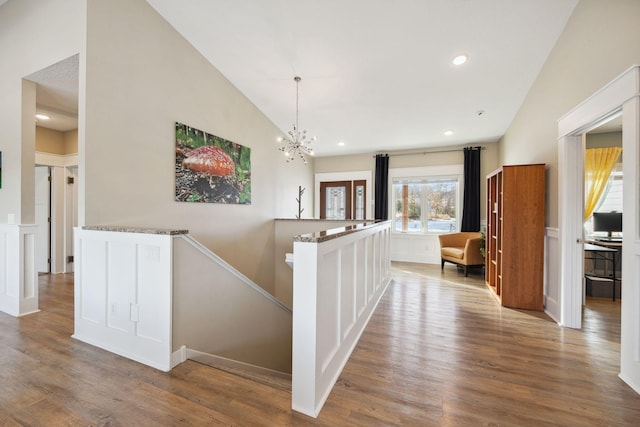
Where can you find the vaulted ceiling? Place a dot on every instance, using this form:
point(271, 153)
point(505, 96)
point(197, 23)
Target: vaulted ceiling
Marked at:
point(377, 75)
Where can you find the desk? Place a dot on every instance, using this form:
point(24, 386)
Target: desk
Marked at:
point(600, 252)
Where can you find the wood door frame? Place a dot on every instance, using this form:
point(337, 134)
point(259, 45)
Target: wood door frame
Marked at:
point(356, 183)
point(366, 175)
point(332, 184)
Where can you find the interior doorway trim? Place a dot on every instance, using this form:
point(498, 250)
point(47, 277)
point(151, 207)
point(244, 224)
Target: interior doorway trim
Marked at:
point(622, 95)
point(343, 176)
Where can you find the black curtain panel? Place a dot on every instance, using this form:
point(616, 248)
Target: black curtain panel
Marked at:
point(471, 197)
point(382, 187)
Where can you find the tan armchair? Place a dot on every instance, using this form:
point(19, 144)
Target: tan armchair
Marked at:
point(462, 249)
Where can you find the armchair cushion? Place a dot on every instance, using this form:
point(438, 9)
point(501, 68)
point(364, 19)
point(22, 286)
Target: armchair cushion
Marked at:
point(462, 249)
point(453, 252)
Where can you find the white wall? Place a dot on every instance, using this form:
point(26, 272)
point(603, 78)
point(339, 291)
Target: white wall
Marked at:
point(49, 31)
point(600, 41)
point(141, 77)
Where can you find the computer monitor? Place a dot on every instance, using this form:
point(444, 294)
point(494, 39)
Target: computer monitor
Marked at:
point(609, 222)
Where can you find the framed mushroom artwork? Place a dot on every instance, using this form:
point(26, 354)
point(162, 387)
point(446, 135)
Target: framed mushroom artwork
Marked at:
point(211, 169)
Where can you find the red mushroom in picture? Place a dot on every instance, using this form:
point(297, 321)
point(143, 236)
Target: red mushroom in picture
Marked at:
point(209, 160)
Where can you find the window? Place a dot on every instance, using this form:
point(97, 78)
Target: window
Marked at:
point(425, 205)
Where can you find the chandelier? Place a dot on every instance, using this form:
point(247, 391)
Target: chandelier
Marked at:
point(295, 143)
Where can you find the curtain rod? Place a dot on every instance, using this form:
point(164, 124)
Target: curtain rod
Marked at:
point(428, 152)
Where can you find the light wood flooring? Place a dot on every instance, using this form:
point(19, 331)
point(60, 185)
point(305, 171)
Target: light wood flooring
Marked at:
point(438, 350)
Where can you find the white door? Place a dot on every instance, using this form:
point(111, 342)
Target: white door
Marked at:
point(43, 218)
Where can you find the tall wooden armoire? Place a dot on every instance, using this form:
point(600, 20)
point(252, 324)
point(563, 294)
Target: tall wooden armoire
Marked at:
point(515, 235)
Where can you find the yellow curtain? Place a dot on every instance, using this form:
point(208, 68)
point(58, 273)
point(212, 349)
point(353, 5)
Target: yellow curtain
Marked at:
point(598, 165)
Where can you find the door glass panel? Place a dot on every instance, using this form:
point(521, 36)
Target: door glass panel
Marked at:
point(359, 202)
point(336, 201)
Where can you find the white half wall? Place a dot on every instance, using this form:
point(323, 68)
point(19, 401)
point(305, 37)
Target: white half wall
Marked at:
point(18, 276)
point(337, 286)
point(123, 294)
point(285, 230)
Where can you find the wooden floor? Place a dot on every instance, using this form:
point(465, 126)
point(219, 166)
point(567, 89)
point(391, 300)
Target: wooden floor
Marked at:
point(438, 351)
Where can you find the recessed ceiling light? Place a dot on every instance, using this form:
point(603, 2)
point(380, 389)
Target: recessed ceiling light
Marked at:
point(42, 117)
point(448, 132)
point(341, 144)
point(460, 59)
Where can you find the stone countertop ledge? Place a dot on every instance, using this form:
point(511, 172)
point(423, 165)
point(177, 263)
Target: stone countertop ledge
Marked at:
point(141, 230)
point(334, 233)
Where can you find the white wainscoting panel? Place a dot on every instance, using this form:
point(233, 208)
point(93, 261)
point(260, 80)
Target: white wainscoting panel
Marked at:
point(18, 276)
point(336, 286)
point(123, 288)
point(422, 248)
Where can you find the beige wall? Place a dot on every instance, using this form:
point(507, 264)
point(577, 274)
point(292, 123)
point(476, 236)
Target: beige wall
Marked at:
point(601, 40)
point(603, 140)
point(142, 77)
point(364, 162)
point(56, 142)
point(70, 141)
point(135, 91)
point(27, 26)
point(49, 141)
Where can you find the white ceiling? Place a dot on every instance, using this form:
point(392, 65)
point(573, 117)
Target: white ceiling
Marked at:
point(377, 74)
point(57, 94)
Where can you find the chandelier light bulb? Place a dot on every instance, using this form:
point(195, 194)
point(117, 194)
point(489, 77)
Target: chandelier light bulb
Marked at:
point(296, 144)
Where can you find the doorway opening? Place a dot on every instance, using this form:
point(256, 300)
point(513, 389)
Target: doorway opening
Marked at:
point(331, 200)
point(602, 244)
point(56, 152)
point(621, 96)
point(343, 200)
